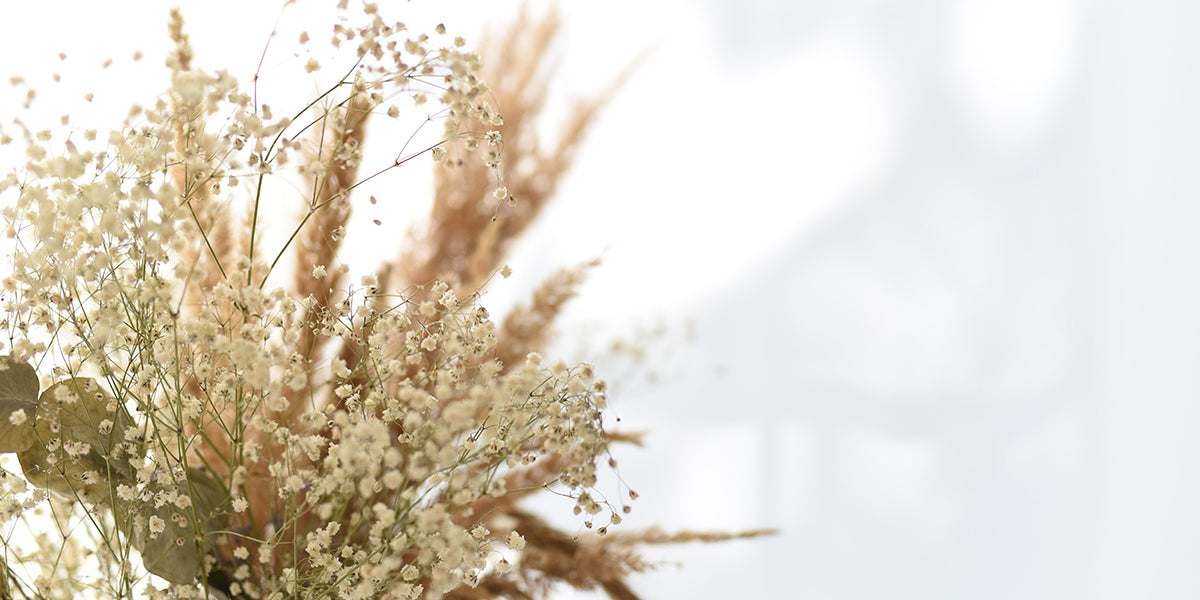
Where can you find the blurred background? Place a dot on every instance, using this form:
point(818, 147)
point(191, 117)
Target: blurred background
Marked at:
point(916, 282)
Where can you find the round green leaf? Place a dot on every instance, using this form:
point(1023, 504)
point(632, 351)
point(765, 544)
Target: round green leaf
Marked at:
point(76, 411)
point(18, 391)
point(177, 553)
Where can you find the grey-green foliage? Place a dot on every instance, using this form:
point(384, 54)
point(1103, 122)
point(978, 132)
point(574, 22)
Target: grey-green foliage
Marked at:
point(78, 413)
point(18, 391)
point(77, 410)
point(177, 554)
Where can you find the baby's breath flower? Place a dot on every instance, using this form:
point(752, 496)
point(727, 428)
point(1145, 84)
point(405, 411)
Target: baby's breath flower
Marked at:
point(392, 480)
point(76, 448)
point(409, 572)
point(157, 525)
point(126, 493)
point(355, 432)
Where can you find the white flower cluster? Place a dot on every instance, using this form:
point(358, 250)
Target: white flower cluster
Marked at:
point(184, 406)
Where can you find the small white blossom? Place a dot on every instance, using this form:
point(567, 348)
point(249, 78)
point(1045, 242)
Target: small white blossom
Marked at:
point(157, 525)
point(338, 367)
point(320, 402)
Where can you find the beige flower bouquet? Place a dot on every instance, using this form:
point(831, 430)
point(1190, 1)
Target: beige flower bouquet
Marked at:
point(190, 419)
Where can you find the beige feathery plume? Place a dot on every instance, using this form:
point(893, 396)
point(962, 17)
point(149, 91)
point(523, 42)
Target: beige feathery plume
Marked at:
point(551, 555)
point(467, 233)
point(528, 326)
point(657, 536)
point(335, 171)
point(193, 171)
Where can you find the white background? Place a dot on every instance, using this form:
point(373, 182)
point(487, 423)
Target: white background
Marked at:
point(928, 271)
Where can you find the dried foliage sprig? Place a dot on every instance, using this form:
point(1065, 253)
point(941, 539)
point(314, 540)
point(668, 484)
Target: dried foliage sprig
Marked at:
point(197, 431)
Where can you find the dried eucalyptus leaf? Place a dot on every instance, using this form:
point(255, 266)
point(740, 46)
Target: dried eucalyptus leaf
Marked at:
point(18, 391)
point(77, 427)
point(84, 408)
point(177, 553)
